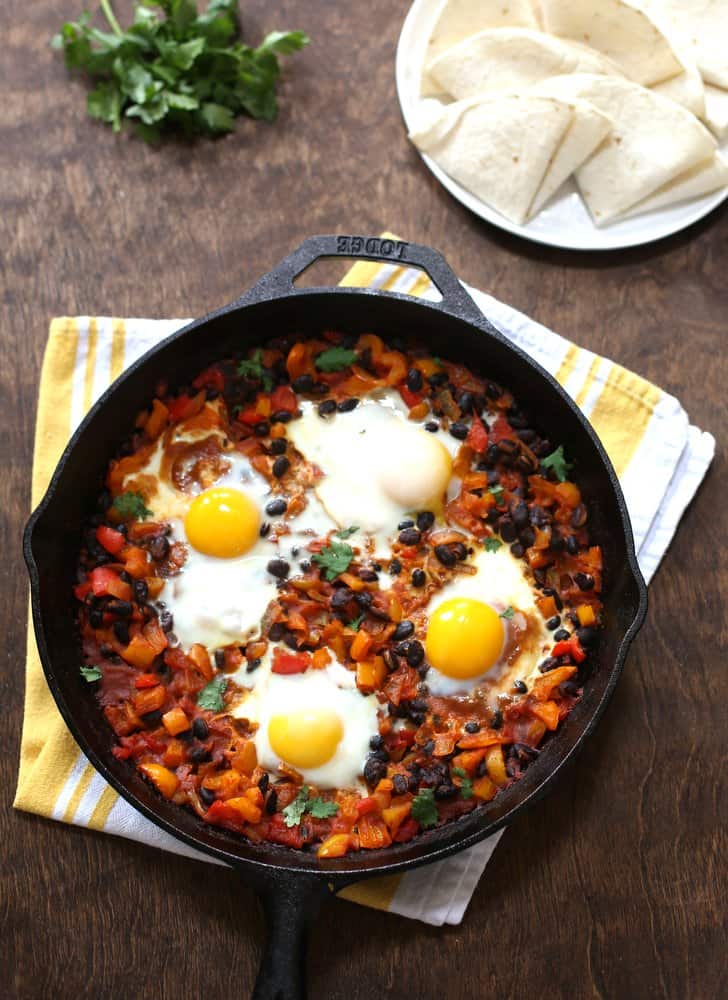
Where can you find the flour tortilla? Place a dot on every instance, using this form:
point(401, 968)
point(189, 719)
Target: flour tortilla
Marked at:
point(511, 59)
point(653, 141)
point(699, 180)
point(588, 130)
point(686, 89)
point(716, 110)
point(618, 30)
point(457, 19)
point(702, 25)
point(499, 148)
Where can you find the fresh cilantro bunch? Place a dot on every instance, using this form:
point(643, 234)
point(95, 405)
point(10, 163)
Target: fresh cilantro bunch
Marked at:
point(316, 807)
point(175, 68)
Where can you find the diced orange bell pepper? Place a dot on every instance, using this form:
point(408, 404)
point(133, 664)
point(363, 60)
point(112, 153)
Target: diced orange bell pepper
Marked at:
point(149, 699)
point(175, 721)
point(227, 783)
point(585, 613)
point(139, 653)
point(245, 760)
point(496, 766)
point(547, 712)
point(320, 658)
point(373, 832)
point(162, 778)
point(370, 674)
point(546, 684)
point(484, 789)
point(247, 811)
point(201, 659)
point(568, 493)
point(157, 419)
point(107, 581)
point(468, 760)
point(361, 646)
point(175, 753)
point(547, 607)
point(136, 561)
point(154, 634)
point(395, 815)
point(335, 846)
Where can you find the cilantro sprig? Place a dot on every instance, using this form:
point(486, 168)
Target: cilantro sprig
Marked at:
point(176, 68)
point(131, 507)
point(466, 783)
point(497, 492)
point(90, 674)
point(508, 613)
point(335, 359)
point(557, 462)
point(424, 809)
point(316, 807)
point(211, 696)
point(492, 544)
point(347, 532)
point(253, 368)
point(334, 558)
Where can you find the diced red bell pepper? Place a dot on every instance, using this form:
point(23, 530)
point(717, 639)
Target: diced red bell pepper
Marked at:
point(570, 647)
point(290, 663)
point(283, 398)
point(212, 377)
point(249, 416)
point(410, 398)
point(477, 435)
point(367, 805)
point(82, 589)
point(113, 541)
point(107, 581)
point(500, 430)
point(146, 681)
point(408, 830)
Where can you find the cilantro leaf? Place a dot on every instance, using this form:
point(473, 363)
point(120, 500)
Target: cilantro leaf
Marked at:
point(466, 783)
point(252, 367)
point(293, 812)
point(347, 532)
point(211, 695)
point(497, 492)
point(90, 674)
point(424, 809)
point(131, 507)
point(557, 461)
point(334, 558)
point(492, 544)
point(335, 359)
point(176, 69)
point(356, 622)
point(508, 613)
point(320, 809)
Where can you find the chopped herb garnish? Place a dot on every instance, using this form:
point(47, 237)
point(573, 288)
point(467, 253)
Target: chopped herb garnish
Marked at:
point(558, 463)
point(492, 544)
point(497, 492)
point(211, 695)
point(131, 507)
point(252, 368)
point(318, 808)
point(176, 70)
point(356, 623)
point(508, 613)
point(347, 532)
point(334, 558)
point(90, 674)
point(424, 809)
point(335, 359)
point(466, 784)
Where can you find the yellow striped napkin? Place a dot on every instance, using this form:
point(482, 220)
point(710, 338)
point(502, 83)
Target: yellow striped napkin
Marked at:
point(659, 457)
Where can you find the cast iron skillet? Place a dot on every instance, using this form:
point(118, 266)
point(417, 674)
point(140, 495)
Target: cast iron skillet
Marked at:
point(292, 883)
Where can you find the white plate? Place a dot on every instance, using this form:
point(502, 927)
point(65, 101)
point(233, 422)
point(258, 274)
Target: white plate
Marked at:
point(565, 221)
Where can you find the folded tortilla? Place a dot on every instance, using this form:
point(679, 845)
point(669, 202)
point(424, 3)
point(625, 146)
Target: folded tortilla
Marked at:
point(686, 88)
point(511, 59)
point(618, 30)
point(702, 179)
point(716, 110)
point(499, 148)
point(702, 25)
point(653, 141)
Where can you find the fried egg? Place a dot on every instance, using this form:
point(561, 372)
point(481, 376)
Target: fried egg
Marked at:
point(475, 619)
point(377, 466)
point(317, 722)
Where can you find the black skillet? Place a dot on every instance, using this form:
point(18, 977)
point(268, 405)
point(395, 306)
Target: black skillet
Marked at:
point(292, 883)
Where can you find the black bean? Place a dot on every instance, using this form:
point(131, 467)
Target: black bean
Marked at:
point(278, 446)
point(538, 516)
point(459, 430)
point(291, 640)
point(106, 650)
point(414, 380)
point(262, 429)
point(276, 507)
point(368, 575)
point(407, 523)
point(347, 405)
point(378, 613)
point(578, 518)
point(395, 567)
point(425, 520)
point(374, 770)
point(271, 802)
point(403, 631)
point(279, 568)
point(415, 653)
point(520, 686)
point(400, 784)
point(550, 592)
point(410, 536)
point(586, 636)
point(199, 755)
point(553, 623)
point(390, 660)
point(550, 663)
point(465, 401)
point(526, 464)
point(253, 665)
point(572, 545)
point(520, 515)
point(527, 537)
point(304, 383)
point(526, 435)
point(159, 548)
point(569, 689)
point(445, 791)
point(200, 729)
point(445, 555)
point(152, 719)
point(281, 417)
point(556, 544)
point(376, 742)
point(341, 597)
point(517, 550)
point(439, 378)
point(497, 721)
point(219, 656)
point(507, 529)
point(432, 426)
point(364, 599)
point(281, 466)
point(327, 407)
point(402, 648)
point(275, 632)
point(263, 782)
point(121, 609)
point(428, 747)
point(121, 631)
point(125, 576)
point(141, 590)
point(166, 621)
point(264, 529)
point(561, 635)
point(507, 447)
point(207, 795)
point(96, 618)
point(418, 705)
point(418, 578)
point(584, 581)
point(472, 727)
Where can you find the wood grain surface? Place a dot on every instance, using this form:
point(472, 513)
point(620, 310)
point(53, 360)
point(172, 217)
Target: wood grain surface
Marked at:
point(613, 887)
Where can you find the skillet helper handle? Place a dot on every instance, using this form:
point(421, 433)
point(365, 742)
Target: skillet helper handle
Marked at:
point(291, 903)
point(280, 280)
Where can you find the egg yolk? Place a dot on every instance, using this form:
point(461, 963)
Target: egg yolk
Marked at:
point(464, 637)
point(306, 738)
point(222, 522)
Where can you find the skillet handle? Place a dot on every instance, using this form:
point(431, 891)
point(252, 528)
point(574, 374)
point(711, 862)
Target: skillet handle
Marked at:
point(280, 280)
point(291, 902)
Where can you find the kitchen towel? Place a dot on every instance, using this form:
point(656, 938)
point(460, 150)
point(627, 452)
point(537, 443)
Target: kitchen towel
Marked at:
point(659, 457)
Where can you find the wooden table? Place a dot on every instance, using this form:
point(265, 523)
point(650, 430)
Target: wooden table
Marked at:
point(612, 886)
